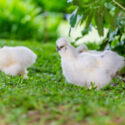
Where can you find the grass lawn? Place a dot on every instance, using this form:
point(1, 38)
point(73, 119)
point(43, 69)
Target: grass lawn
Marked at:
point(47, 99)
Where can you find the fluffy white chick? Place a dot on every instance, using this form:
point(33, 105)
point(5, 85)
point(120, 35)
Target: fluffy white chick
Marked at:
point(86, 67)
point(16, 60)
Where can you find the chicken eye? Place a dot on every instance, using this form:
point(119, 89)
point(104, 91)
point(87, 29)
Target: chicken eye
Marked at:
point(61, 47)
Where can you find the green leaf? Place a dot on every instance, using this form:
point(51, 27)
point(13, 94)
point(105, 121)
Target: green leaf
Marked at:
point(115, 20)
point(69, 32)
point(99, 21)
point(84, 16)
point(73, 18)
point(84, 32)
point(107, 16)
point(89, 19)
point(78, 38)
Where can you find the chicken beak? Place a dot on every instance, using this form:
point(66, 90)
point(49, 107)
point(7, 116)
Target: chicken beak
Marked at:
point(58, 49)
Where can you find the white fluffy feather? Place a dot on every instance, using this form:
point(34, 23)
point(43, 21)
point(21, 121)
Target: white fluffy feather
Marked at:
point(16, 60)
point(90, 66)
point(82, 48)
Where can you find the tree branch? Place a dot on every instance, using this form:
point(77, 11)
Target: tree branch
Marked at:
point(118, 4)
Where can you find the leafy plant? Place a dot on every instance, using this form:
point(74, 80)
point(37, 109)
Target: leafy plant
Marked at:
point(101, 14)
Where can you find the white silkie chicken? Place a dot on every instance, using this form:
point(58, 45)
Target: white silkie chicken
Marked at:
point(86, 67)
point(82, 48)
point(16, 60)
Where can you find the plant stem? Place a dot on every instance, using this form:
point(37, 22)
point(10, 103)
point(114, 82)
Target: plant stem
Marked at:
point(118, 4)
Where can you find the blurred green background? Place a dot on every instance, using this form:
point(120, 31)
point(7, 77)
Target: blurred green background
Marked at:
point(30, 19)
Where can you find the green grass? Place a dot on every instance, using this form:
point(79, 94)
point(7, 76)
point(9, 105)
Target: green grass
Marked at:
point(47, 99)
